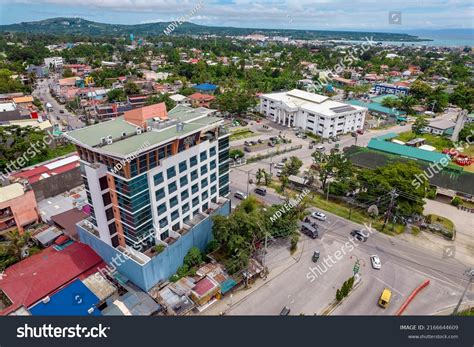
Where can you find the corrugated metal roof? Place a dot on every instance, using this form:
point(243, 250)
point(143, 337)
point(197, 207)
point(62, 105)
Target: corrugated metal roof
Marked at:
point(411, 152)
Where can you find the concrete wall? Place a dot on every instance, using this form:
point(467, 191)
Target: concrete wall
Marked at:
point(162, 266)
point(57, 184)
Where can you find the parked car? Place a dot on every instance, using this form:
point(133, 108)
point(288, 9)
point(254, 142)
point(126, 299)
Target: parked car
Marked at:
point(285, 311)
point(260, 141)
point(271, 144)
point(310, 230)
point(278, 173)
point(280, 165)
point(246, 149)
point(375, 260)
point(61, 111)
point(359, 235)
point(240, 195)
point(360, 131)
point(320, 148)
point(260, 191)
point(246, 143)
point(284, 160)
point(318, 215)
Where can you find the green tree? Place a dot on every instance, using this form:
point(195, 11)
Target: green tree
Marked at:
point(419, 125)
point(260, 175)
point(156, 99)
point(193, 257)
point(17, 242)
point(292, 166)
point(420, 90)
point(131, 88)
point(117, 95)
point(333, 165)
point(463, 96)
point(236, 153)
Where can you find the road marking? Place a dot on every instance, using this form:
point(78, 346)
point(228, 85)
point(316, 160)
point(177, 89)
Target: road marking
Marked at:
point(386, 284)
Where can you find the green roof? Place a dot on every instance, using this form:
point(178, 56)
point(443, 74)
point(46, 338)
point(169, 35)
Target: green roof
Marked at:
point(122, 146)
point(376, 107)
point(406, 151)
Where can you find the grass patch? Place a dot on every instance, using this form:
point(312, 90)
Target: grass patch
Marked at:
point(445, 222)
point(467, 204)
point(241, 134)
point(438, 142)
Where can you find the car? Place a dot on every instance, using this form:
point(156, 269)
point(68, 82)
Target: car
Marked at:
point(359, 235)
point(318, 215)
point(271, 144)
point(320, 148)
point(246, 149)
point(278, 173)
point(260, 191)
point(246, 143)
point(280, 165)
point(375, 260)
point(253, 143)
point(360, 131)
point(240, 195)
point(285, 311)
point(310, 230)
point(310, 146)
point(61, 111)
point(284, 160)
point(260, 141)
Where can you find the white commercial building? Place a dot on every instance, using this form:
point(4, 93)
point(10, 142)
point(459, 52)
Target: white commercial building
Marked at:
point(54, 62)
point(312, 112)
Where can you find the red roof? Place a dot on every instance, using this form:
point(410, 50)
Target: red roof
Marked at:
point(203, 286)
point(35, 277)
point(34, 175)
point(202, 97)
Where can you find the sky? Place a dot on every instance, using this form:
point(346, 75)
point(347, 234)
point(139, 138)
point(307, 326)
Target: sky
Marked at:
point(365, 15)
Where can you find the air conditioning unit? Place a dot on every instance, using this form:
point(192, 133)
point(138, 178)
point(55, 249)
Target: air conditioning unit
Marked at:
point(148, 128)
point(109, 137)
point(102, 140)
point(46, 300)
point(124, 134)
point(110, 141)
point(139, 130)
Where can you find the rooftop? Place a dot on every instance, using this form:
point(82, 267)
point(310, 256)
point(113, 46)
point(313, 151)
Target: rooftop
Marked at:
point(55, 167)
point(205, 86)
point(11, 191)
point(161, 132)
point(376, 107)
point(311, 102)
point(39, 275)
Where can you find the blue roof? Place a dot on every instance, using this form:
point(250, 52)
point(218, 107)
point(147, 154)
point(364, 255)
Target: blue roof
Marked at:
point(205, 87)
point(72, 300)
point(406, 151)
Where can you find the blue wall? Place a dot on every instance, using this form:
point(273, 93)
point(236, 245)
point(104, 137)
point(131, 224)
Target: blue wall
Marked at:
point(162, 266)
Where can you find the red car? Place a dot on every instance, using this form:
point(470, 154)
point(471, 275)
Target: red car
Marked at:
point(360, 131)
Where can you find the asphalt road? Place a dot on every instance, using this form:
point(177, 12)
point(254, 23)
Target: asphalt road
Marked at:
point(56, 117)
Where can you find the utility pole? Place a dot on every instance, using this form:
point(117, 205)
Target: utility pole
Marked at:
point(470, 274)
point(327, 193)
point(393, 195)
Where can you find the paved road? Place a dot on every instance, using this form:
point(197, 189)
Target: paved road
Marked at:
point(404, 267)
point(43, 93)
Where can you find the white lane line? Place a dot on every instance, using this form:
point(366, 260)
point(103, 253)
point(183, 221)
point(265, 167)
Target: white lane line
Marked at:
point(386, 284)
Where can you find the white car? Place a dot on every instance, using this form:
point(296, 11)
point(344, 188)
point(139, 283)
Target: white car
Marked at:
point(240, 195)
point(375, 260)
point(280, 165)
point(319, 216)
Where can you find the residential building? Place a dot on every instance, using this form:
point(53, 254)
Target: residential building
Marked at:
point(201, 100)
point(54, 62)
point(206, 88)
point(386, 88)
point(41, 71)
point(153, 177)
point(440, 127)
point(180, 99)
point(17, 208)
point(311, 112)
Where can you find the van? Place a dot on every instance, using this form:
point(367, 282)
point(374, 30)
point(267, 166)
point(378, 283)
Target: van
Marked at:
point(260, 191)
point(240, 195)
point(385, 298)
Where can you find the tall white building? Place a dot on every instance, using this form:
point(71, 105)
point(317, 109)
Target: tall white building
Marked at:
point(312, 112)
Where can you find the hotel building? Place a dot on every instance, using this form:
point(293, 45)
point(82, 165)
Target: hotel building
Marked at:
point(312, 112)
point(152, 177)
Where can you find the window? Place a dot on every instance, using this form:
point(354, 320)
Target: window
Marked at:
point(196, 201)
point(182, 166)
point(171, 172)
point(172, 187)
point(194, 189)
point(205, 206)
point(212, 151)
point(164, 235)
point(103, 183)
point(213, 190)
point(204, 196)
point(213, 177)
point(106, 199)
point(175, 215)
point(193, 161)
point(184, 195)
point(183, 181)
point(204, 183)
point(203, 170)
point(185, 208)
point(160, 194)
point(212, 165)
point(203, 156)
point(158, 178)
point(109, 214)
point(194, 175)
point(173, 201)
point(162, 209)
point(112, 228)
point(163, 222)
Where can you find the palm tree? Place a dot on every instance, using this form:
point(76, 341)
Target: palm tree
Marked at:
point(17, 242)
point(260, 175)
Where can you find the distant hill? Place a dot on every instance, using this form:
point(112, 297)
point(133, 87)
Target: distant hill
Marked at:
point(79, 26)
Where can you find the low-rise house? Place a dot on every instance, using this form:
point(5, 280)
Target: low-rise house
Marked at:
point(201, 100)
point(440, 127)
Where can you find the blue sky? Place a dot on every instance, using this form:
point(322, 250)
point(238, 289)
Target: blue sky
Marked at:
point(299, 14)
